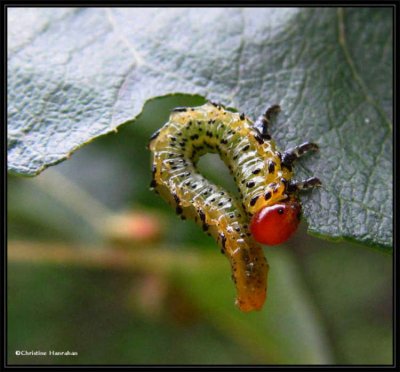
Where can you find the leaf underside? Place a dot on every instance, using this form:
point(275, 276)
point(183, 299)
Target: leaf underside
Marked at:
point(76, 74)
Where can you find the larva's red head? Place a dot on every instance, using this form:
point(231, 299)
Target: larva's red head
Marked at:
point(275, 224)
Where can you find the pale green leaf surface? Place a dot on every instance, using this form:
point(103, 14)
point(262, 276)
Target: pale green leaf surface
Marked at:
point(75, 74)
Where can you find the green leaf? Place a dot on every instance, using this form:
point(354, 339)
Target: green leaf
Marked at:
point(75, 74)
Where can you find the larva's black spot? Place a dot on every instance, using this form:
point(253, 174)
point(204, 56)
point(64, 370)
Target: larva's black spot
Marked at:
point(202, 215)
point(223, 240)
point(220, 204)
point(176, 198)
point(253, 201)
point(250, 184)
point(272, 185)
point(242, 116)
point(224, 141)
point(205, 227)
point(179, 209)
point(271, 166)
point(173, 138)
point(256, 171)
point(194, 137)
point(267, 196)
point(209, 134)
point(179, 109)
point(259, 139)
point(245, 148)
point(155, 135)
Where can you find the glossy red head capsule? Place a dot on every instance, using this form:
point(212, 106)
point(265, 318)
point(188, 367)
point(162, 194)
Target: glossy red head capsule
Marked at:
point(275, 224)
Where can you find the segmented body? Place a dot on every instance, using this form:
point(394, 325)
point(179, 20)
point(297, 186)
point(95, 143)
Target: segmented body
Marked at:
point(258, 170)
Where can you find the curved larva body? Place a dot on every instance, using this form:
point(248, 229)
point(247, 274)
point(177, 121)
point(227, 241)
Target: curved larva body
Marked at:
point(256, 167)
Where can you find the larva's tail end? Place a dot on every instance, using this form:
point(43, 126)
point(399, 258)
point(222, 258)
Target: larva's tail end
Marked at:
point(252, 302)
point(250, 275)
point(252, 291)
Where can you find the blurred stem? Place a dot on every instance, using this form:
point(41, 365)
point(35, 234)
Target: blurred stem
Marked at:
point(75, 199)
point(151, 259)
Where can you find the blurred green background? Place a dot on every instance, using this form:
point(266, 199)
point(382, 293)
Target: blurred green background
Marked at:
point(100, 265)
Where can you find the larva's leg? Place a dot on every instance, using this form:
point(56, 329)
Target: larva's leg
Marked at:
point(303, 185)
point(263, 122)
point(290, 155)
